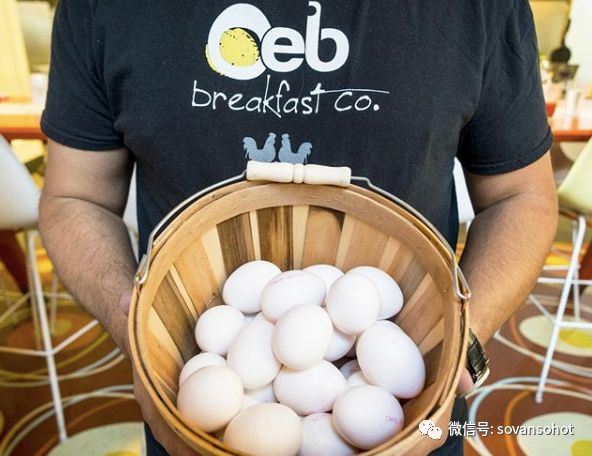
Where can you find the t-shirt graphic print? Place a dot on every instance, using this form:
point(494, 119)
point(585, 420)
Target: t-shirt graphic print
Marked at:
point(244, 45)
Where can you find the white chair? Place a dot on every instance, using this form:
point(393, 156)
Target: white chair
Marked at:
point(575, 198)
point(19, 199)
point(466, 214)
point(130, 216)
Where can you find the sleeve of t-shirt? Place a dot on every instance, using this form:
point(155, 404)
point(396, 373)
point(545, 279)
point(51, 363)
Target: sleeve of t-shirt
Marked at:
point(77, 112)
point(509, 129)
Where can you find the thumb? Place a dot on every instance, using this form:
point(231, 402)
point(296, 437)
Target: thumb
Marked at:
point(124, 301)
point(465, 385)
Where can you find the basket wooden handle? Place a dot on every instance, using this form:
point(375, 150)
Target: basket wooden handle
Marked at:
point(298, 174)
point(308, 174)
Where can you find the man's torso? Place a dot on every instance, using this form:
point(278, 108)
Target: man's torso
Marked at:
point(198, 88)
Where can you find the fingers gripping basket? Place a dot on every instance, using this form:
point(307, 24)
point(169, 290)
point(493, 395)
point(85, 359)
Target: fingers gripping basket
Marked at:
point(295, 225)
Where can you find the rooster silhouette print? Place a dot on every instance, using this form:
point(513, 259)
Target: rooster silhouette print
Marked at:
point(268, 152)
point(287, 156)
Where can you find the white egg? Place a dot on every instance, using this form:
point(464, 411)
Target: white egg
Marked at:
point(265, 430)
point(199, 361)
point(250, 355)
point(247, 402)
point(309, 391)
point(217, 327)
point(264, 394)
point(356, 379)
point(349, 368)
point(302, 336)
point(353, 303)
point(210, 398)
point(391, 296)
point(319, 437)
point(244, 286)
point(387, 323)
point(289, 289)
point(367, 416)
point(390, 359)
point(327, 272)
point(340, 345)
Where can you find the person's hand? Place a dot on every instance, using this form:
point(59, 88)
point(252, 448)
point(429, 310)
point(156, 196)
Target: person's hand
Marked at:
point(125, 301)
point(160, 429)
point(116, 323)
point(465, 385)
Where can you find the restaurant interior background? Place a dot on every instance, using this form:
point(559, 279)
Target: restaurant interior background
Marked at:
point(96, 414)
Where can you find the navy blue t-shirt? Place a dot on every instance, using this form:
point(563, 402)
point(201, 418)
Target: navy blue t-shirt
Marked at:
point(394, 89)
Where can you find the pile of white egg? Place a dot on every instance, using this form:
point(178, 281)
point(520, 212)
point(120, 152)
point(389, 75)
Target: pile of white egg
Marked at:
point(267, 381)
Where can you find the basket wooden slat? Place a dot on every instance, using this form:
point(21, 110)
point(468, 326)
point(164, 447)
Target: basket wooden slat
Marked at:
point(293, 226)
point(423, 301)
point(360, 244)
point(276, 237)
point(323, 226)
point(238, 247)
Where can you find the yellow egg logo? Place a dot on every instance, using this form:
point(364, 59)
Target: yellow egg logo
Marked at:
point(242, 44)
point(237, 47)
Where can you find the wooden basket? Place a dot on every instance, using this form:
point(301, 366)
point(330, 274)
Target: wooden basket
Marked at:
point(293, 226)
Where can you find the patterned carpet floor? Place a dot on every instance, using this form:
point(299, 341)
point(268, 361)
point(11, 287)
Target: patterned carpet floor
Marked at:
point(507, 399)
point(103, 420)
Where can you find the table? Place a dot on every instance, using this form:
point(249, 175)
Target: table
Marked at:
point(572, 128)
point(20, 120)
